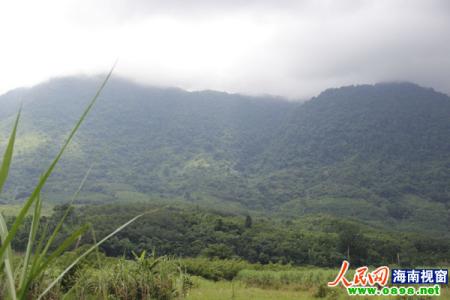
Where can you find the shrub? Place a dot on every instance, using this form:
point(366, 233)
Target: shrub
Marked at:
point(215, 269)
point(144, 278)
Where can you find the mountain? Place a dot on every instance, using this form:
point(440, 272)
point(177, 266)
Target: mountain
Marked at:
point(377, 152)
point(141, 140)
point(380, 153)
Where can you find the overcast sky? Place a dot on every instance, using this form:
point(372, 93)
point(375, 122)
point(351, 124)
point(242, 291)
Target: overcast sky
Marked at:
point(289, 48)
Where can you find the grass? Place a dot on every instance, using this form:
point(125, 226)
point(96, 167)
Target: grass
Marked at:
point(297, 279)
point(215, 269)
point(255, 281)
point(237, 290)
point(100, 277)
point(12, 210)
point(225, 290)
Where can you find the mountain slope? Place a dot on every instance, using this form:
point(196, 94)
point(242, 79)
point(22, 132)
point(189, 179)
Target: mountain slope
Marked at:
point(161, 142)
point(376, 153)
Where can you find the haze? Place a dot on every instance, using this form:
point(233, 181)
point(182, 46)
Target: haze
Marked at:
point(289, 48)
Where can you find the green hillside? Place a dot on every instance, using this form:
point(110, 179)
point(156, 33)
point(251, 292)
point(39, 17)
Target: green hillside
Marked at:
point(377, 153)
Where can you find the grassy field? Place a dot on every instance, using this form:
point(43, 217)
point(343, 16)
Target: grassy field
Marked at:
point(238, 290)
point(14, 209)
point(206, 289)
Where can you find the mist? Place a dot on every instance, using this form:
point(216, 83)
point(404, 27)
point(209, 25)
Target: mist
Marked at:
point(290, 48)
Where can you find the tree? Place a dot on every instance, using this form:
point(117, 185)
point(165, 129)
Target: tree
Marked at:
point(221, 251)
point(248, 222)
point(353, 244)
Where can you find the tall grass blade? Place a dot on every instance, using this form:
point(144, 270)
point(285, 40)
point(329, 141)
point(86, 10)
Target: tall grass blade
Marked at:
point(37, 269)
point(7, 157)
point(66, 213)
point(40, 264)
point(6, 255)
point(7, 260)
point(20, 217)
point(52, 284)
point(61, 248)
point(40, 250)
point(31, 239)
point(39, 247)
point(97, 255)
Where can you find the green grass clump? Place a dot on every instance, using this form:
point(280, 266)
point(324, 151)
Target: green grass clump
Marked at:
point(301, 279)
point(142, 278)
point(226, 269)
point(215, 269)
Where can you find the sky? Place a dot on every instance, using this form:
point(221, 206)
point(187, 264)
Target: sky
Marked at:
point(293, 49)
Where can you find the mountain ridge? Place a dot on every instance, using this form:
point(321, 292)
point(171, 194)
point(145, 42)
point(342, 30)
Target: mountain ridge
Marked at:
point(365, 151)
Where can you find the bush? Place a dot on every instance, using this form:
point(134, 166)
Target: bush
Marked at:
point(119, 278)
point(215, 269)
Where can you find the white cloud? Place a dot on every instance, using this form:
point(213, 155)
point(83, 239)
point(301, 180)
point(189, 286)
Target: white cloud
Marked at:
point(290, 48)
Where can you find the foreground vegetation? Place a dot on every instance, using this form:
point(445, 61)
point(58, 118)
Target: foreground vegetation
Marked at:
point(147, 276)
point(99, 277)
point(238, 290)
point(227, 290)
point(25, 276)
point(207, 254)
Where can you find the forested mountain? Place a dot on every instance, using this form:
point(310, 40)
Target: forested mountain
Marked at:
point(379, 153)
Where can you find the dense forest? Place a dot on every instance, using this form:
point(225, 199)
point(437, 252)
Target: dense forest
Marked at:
point(372, 153)
point(318, 240)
